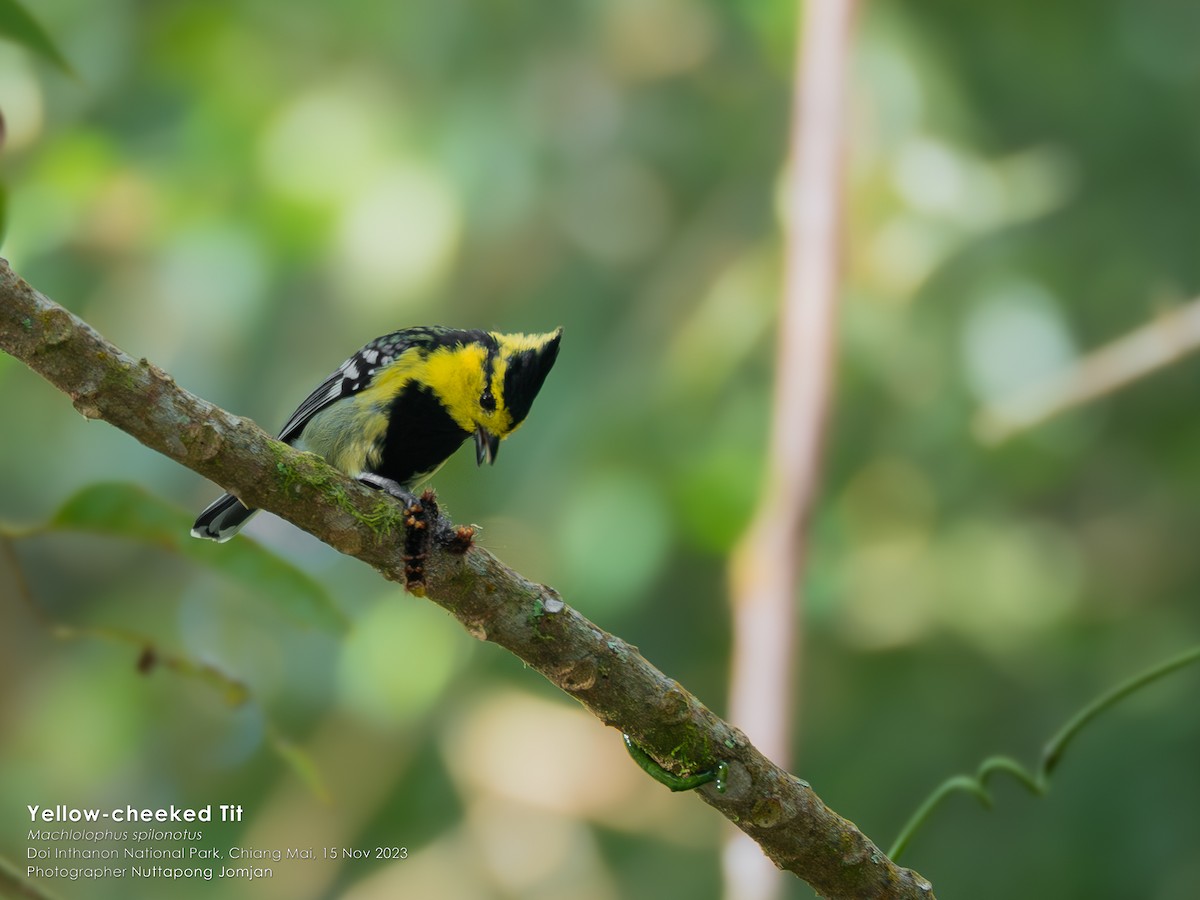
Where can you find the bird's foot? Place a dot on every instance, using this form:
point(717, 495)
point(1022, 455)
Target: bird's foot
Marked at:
point(388, 486)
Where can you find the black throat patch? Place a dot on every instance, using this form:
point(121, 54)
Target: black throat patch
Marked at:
point(421, 436)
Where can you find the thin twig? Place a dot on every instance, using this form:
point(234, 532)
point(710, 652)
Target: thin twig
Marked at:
point(1168, 338)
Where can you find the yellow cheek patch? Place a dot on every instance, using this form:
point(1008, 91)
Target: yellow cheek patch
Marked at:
point(455, 375)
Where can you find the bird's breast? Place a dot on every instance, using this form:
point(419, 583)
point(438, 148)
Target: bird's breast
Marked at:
point(421, 435)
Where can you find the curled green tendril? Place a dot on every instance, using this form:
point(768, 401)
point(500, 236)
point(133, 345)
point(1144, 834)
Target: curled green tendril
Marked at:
point(1036, 781)
point(719, 774)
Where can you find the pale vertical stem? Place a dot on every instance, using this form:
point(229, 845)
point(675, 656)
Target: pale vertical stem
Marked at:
point(766, 564)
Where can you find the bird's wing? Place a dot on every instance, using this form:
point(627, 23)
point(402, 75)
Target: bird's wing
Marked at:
point(350, 377)
point(330, 391)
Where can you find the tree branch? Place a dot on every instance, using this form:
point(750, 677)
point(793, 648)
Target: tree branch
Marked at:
point(415, 545)
point(1165, 339)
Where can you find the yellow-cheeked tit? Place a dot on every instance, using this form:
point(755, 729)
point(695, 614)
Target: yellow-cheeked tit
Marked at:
point(398, 408)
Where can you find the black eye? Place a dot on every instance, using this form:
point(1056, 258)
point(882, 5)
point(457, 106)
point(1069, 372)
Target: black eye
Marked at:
point(487, 401)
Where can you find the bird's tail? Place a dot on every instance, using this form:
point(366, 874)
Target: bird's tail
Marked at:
point(223, 518)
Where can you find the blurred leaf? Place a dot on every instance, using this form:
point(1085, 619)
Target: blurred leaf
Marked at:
point(300, 762)
point(232, 691)
point(126, 510)
point(3, 212)
point(21, 28)
point(13, 884)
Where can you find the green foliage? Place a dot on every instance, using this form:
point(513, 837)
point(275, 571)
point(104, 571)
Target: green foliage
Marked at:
point(126, 510)
point(302, 764)
point(18, 26)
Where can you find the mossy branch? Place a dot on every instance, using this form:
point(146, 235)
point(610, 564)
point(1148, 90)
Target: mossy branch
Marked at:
point(413, 544)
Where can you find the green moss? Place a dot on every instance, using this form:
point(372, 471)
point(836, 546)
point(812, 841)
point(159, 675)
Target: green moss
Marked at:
point(117, 378)
point(537, 621)
point(288, 476)
point(692, 753)
point(384, 518)
point(55, 326)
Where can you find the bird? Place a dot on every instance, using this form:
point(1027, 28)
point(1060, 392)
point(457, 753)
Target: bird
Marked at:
point(396, 410)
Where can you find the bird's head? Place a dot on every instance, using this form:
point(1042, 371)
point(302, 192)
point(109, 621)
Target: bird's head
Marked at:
point(487, 381)
point(519, 369)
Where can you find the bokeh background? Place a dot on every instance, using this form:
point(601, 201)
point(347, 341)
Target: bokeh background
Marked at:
point(244, 191)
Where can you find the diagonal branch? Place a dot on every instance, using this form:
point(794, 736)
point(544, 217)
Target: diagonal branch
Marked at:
point(413, 544)
point(1165, 339)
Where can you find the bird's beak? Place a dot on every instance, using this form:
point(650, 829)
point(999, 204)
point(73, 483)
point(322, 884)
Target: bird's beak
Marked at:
point(486, 446)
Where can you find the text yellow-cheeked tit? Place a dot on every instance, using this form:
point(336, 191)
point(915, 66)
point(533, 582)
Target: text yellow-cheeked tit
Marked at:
point(398, 408)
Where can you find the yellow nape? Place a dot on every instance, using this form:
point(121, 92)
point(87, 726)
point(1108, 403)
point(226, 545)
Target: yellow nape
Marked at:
point(390, 381)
